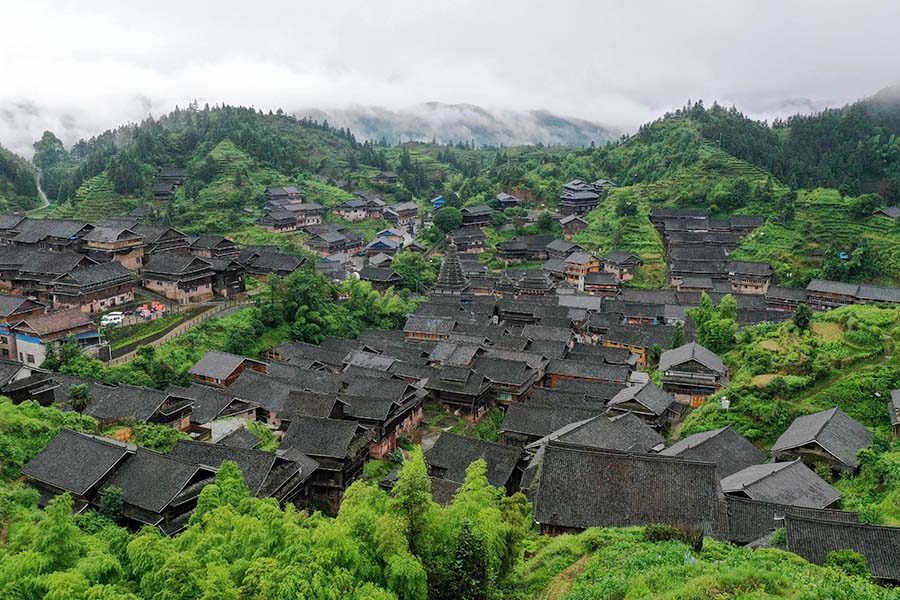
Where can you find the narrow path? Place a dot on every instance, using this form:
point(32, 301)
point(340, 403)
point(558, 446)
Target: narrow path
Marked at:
point(44, 201)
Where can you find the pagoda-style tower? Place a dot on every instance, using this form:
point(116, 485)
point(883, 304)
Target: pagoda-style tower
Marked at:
point(451, 280)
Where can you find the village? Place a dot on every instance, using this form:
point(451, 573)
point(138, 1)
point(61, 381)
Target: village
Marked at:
point(590, 375)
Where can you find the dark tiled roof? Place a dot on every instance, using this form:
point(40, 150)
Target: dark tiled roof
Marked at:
point(151, 481)
point(894, 407)
point(380, 275)
point(814, 539)
point(75, 462)
point(553, 334)
point(454, 453)
point(688, 352)
point(648, 395)
point(107, 272)
point(256, 465)
point(175, 264)
point(626, 433)
point(577, 368)
point(832, 287)
point(640, 336)
point(9, 305)
point(833, 430)
point(749, 520)
point(218, 365)
point(314, 436)
point(726, 447)
point(581, 488)
point(782, 483)
point(241, 438)
point(503, 371)
point(417, 324)
point(538, 421)
point(58, 321)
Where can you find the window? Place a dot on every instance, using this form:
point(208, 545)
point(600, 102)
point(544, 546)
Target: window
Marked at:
point(504, 396)
point(4, 352)
point(30, 358)
point(4, 339)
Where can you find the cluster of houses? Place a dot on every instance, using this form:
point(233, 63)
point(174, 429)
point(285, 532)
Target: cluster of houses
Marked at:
point(579, 197)
point(697, 248)
point(564, 368)
point(58, 273)
point(167, 183)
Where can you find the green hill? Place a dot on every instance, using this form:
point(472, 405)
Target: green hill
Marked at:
point(18, 190)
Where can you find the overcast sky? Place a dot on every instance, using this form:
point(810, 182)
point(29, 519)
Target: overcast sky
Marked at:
point(80, 67)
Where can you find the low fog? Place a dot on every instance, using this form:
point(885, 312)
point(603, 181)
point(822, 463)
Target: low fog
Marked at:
point(80, 68)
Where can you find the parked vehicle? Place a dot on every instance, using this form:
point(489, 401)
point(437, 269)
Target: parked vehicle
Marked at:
point(113, 318)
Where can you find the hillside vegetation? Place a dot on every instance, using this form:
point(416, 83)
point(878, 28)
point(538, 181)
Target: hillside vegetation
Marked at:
point(17, 186)
point(846, 358)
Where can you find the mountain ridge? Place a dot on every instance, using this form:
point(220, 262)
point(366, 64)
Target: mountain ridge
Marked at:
point(451, 123)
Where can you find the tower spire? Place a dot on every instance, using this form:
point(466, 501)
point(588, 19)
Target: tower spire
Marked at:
point(451, 280)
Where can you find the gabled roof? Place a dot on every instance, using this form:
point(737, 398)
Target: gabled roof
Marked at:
point(217, 365)
point(571, 219)
point(832, 287)
point(540, 420)
point(151, 481)
point(689, 352)
point(577, 368)
point(175, 264)
point(10, 305)
point(417, 324)
point(241, 438)
point(790, 483)
point(579, 487)
point(648, 395)
point(110, 234)
point(55, 322)
point(481, 209)
point(626, 433)
point(453, 453)
point(98, 274)
point(313, 436)
point(833, 430)
point(379, 275)
point(725, 447)
point(257, 466)
point(76, 462)
point(814, 539)
point(500, 371)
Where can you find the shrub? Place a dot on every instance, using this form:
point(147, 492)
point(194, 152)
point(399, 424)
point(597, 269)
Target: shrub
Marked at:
point(657, 532)
point(848, 562)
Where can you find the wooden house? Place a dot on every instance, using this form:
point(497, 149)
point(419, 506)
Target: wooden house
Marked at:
point(654, 406)
point(94, 288)
point(183, 278)
point(14, 309)
point(829, 437)
point(572, 225)
point(340, 448)
point(614, 491)
point(120, 244)
point(221, 369)
point(692, 373)
point(621, 264)
point(35, 333)
point(477, 216)
point(787, 483)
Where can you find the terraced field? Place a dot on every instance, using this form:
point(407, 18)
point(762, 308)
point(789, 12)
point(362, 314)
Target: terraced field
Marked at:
point(822, 221)
point(635, 234)
point(95, 199)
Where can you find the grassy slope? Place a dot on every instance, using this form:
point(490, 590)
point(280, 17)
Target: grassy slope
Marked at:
point(822, 220)
point(12, 168)
point(849, 359)
point(617, 563)
point(635, 234)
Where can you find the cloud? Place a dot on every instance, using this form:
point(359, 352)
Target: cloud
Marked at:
point(80, 68)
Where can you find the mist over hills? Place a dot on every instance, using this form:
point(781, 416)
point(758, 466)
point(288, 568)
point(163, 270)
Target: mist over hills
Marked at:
point(449, 123)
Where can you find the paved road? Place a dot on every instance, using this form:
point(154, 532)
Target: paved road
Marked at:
point(44, 201)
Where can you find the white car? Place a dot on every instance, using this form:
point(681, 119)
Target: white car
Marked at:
point(113, 318)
